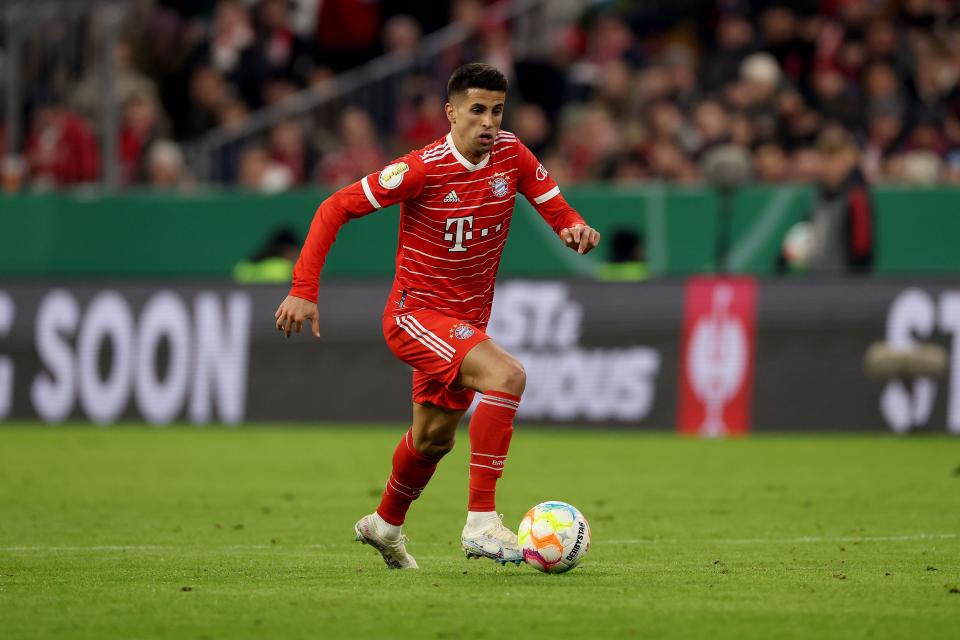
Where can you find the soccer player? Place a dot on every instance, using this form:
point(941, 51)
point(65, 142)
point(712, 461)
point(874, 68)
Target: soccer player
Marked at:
point(457, 196)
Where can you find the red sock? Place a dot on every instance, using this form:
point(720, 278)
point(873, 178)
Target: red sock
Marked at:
point(411, 473)
point(490, 429)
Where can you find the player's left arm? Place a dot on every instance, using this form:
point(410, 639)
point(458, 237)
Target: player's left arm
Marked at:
point(544, 194)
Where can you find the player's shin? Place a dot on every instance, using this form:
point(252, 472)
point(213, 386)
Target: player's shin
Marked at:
point(490, 430)
point(410, 474)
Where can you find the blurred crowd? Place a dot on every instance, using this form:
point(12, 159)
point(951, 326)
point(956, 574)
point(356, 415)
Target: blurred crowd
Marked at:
point(687, 91)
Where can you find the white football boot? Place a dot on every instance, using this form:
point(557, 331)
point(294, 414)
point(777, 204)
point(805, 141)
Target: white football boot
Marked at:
point(491, 540)
point(394, 550)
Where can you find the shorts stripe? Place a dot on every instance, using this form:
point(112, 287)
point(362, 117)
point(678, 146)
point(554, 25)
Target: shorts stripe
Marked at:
point(442, 343)
point(429, 335)
point(420, 338)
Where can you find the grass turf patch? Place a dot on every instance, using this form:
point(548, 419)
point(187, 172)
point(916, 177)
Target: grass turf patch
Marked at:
point(225, 533)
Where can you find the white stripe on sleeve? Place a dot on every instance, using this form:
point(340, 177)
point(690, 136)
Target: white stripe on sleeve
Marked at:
point(546, 196)
point(369, 193)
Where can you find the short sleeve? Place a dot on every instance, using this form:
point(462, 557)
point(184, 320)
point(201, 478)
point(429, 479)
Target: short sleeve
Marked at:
point(400, 180)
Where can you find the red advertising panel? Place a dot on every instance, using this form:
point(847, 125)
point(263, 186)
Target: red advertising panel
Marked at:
point(716, 362)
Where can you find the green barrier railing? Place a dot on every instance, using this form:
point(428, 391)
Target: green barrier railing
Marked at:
point(72, 235)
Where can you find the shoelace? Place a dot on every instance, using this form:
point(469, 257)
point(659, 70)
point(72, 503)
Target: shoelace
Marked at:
point(499, 531)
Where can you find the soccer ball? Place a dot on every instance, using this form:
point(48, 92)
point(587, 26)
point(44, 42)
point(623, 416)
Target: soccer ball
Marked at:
point(554, 537)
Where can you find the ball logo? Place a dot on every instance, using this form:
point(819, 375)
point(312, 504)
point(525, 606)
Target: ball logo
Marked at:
point(541, 173)
point(392, 175)
point(462, 331)
point(499, 186)
point(581, 530)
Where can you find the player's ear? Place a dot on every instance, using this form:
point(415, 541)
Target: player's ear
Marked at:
point(451, 112)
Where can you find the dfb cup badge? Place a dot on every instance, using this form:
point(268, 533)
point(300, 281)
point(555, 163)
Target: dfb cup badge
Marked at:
point(499, 186)
point(462, 331)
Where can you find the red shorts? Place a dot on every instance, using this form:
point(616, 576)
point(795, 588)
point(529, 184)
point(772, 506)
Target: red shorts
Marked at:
point(434, 345)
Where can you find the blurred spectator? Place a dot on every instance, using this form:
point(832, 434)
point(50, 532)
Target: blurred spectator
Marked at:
point(61, 149)
point(165, 167)
point(917, 168)
point(668, 162)
point(347, 32)
point(530, 124)
point(781, 36)
point(590, 142)
point(209, 94)
point(952, 135)
point(259, 172)
point(358, 154)
point(805, 165)
point(419, 118)
point(842, 218)
point(139, 127)
point(402, 35)
point(882, 90)
point(277, 53)
point(230, 34)
point(734, 41)
point(87, 96)
point(626, 92)
point(770, 164)
point(288, 146)
point(884, 135)
point(711, 124)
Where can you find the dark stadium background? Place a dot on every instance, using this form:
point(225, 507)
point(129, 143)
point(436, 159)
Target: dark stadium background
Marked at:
point(779, 177)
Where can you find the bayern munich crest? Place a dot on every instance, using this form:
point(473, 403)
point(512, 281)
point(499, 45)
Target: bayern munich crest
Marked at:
point(462, 331)
point(499, 186)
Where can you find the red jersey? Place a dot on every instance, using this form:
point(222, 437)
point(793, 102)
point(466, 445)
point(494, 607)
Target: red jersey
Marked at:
point(454, 220)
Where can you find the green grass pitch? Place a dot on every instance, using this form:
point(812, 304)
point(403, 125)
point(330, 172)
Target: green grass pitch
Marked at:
point(134, 532)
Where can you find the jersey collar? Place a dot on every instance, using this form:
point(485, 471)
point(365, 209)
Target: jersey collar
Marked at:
point(459, 156)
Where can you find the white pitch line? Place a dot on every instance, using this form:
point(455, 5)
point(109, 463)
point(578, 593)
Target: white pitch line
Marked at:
point(800, 540)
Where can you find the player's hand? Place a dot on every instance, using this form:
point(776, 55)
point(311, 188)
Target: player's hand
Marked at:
point(293, 311)
point(580, 238)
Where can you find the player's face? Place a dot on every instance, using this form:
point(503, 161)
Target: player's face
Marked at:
point(475, 118)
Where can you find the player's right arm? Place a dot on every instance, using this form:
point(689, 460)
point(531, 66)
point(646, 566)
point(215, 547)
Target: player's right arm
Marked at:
point(401, 180)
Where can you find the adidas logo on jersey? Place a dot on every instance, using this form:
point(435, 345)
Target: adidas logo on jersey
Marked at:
point(452, 197)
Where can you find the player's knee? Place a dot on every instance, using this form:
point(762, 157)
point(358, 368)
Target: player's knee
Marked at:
point(511, 377)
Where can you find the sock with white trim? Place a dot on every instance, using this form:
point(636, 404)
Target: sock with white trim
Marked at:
point(411, 472)
point(490, 430)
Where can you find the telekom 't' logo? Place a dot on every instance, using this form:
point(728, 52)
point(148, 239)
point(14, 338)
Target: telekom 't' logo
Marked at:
point(463, 232)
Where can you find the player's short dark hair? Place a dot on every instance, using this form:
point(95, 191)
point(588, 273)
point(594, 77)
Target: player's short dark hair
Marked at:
point(476, 75)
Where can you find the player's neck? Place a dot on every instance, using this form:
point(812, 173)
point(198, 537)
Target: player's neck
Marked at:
point(464, 149)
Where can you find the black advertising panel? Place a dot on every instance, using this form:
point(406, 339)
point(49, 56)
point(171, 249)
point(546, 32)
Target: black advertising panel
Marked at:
point(595, 353)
